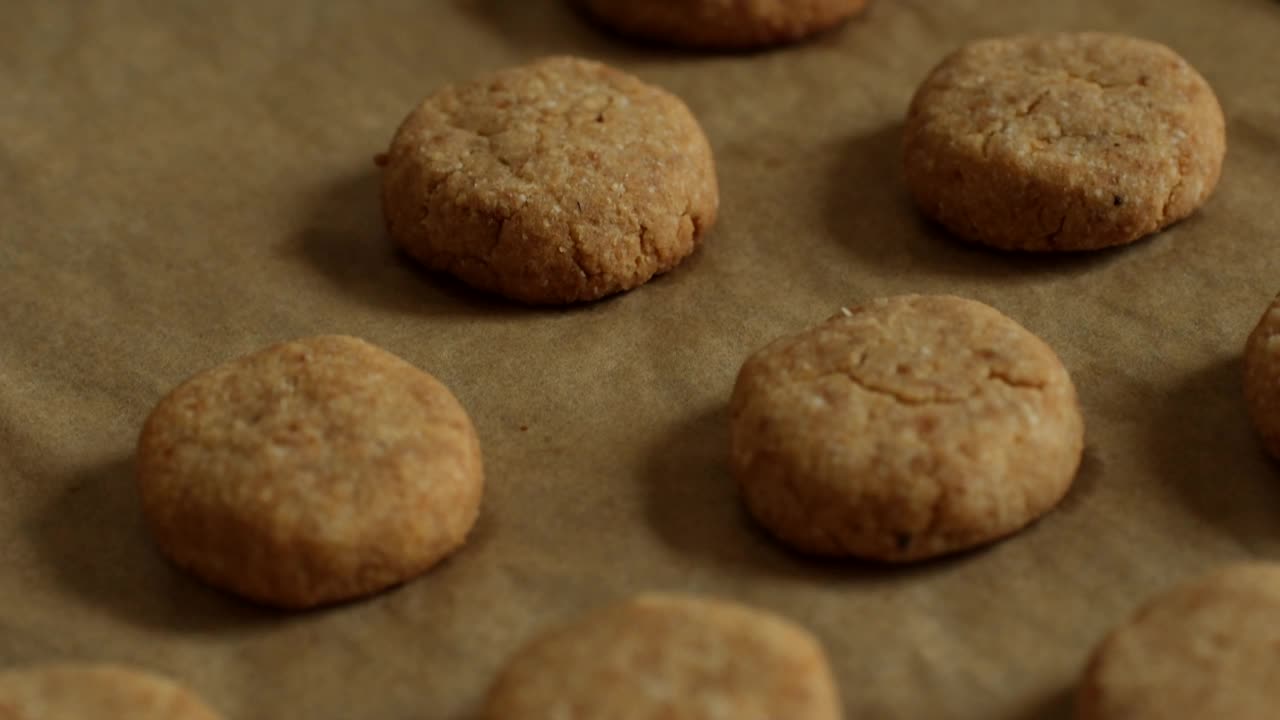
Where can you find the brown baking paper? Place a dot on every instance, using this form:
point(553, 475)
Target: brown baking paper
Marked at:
point(186, 182)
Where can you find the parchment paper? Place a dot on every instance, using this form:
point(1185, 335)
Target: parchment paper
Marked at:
point(183, 182)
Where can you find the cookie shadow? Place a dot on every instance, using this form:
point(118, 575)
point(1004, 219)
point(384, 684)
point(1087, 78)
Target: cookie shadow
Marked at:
point(1205, 447)
point(545, 27)
point(872, 212)
point(93, 537)
point(548, 26)
point(344, 239)
point(1058, 706)
point(694, 506)
point(1083, 486)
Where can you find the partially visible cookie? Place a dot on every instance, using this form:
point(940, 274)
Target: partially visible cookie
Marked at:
point(1207, 649)
point(669, 657)
point(95, 692)
point(310, 472)
point(904, 428)
point(557, 182)
point(722, 24)
point(1262, 377)
point(1063, 142)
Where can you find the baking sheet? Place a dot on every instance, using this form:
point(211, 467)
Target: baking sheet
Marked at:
point(184, 182)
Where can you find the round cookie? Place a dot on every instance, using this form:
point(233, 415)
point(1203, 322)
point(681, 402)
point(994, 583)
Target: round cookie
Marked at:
point(95, 692)
point(1207, 649)
point(669, 657)
point(1262, 377)
point(903, 429)
point(722, 24)
point(1063, 142)
point(557, 182)
point(310, 472)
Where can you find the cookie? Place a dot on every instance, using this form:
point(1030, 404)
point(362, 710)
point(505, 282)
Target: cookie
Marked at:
point(310, 472)
point(903, 429)
point(1262, 377)
point(722, 24)
point(1207, 649)
point(95, 692)
point(1063, 142)
point(668, 657)
point(557, 182)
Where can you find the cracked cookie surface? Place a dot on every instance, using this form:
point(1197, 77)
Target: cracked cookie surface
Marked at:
point(310, 472)
point(903, 429)
point(669, 657)
point(1063, 142)
point(1262, 377)
point(1209, 648)
point(722, 24)
point(95, 692)
point(556, 182)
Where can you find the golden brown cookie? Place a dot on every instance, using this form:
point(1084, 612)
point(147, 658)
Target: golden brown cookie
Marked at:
point(1262, 377)
point(669, 657)
point(722, 24)
point(903, 429)
point(310, 472)
point(1207, 649)
point(556, 182)
point(95, 692)
point(1063, 142)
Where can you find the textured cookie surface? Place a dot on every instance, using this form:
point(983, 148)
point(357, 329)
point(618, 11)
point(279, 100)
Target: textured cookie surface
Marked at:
point(1208, 649)
point(556, 182)
point(668, 657)
point(1063, 142)
point(310, 472)
point(95, 692)
point(1262, 377)
point(903, 429)
point(723, 24)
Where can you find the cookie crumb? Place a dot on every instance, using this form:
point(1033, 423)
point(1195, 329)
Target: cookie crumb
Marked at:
point(1204, 649)
point(1111, 158)
point(248, 473)
point(723, 24)
point(506, 231)
point(98, 692)
point(970, 418)
point(709, 659)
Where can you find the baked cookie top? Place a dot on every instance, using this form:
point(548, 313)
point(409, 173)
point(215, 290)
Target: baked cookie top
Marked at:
point(95, 692)
point(1063, 142)
point(560, 181)
point(722, 24)
point(669, 657)
point(904, 428)
point(309, 472)
point(1207, 649)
